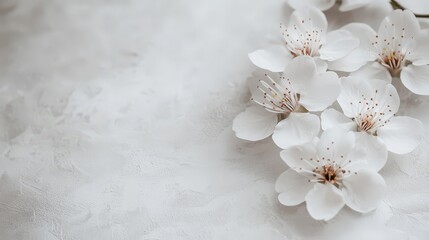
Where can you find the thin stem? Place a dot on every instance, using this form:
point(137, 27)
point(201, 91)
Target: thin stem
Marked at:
point(397, 5)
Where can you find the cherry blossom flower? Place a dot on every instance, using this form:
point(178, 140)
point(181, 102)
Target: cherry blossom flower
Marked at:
point(369, 108)
point(329, 174)
point(288, 98)
point(399, 49)
point(306, 35)
point(346, 5)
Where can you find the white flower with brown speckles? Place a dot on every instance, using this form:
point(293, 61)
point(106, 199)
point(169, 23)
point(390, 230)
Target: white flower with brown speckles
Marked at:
point(328, 175)
point(399, 49)
point(369, 108)
point(306, 35)
point(290, 97)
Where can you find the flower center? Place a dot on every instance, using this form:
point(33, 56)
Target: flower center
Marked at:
point(370, 122)
point(393, 48)
point(326, 170)
point(278, 97)
point(367, 123)
point(306, 50)
point(372, 111)
point(302, 42)
point(393, 60)
point(329, 174)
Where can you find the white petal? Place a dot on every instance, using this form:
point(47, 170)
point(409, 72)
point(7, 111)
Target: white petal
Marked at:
point(364, 190)
point(338, 44)
point(371, 14)
point(321, 92)
point(297, 128)
point(362, 54)
point(401, 134)
point(301, 157)
point(350, 95)
point(416, 79)
point(273, 59)
point(301, 71)
point(324, 201)
point(292, 187)
point(253, 83)
point(348, 5)
point(332, 118)
point(401, 24)
point(373, 70)
point(308, 19)
point(322, 66)
point(335, 145)
point(254, 124)
point(369, 151)
point(355, 90)
point(416, 6)
point(420, 54)
point(320, 4)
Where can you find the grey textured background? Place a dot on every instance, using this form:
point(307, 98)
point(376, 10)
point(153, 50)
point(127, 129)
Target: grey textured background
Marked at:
point(115, 123)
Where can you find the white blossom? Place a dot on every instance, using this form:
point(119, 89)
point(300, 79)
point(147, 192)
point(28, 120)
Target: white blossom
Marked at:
point(301, 88)
point(369, 108)
point(328, 175)
point(306, 35)
point(399, 49)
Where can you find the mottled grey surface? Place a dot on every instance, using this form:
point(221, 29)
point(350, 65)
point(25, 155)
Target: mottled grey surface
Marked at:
point(115, 123)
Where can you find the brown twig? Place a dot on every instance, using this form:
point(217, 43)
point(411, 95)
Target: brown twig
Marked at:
point(397, 5)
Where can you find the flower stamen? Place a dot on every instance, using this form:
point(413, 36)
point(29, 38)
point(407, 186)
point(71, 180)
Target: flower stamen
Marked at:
point(370, 113)
point(278, 97)
point(330, 173)
point(393, 49)
point(301, 43)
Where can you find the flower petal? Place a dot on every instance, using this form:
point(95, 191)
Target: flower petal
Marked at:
point(416, 6)
point(401, 24)
point(324, 201)
point(321, 92)
point(348, 5)
point(308, 19)
point(416, 78)
point(359, 56)
point(273, 58)
point(301, 72)
point(321, 4)
point(335, 145)
point(364, 190)
point(322, 66)
point(332, 118)
point(297, 128)
point(371, 14)
point(401, 134)
point(254, 124)
point(355, 91)
point(373, 70)
point(338, 44)
point(369, 152)
point(292, 187)
point(301, 157)
point(420, 54)
point(254, 81)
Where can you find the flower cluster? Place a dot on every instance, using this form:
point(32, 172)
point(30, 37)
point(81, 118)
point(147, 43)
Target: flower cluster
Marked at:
point(335, 151)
